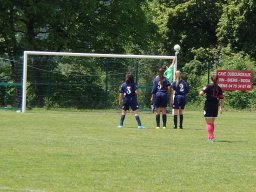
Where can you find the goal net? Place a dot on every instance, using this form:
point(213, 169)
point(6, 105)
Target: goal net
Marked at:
point(10, 84)
point(85, 80)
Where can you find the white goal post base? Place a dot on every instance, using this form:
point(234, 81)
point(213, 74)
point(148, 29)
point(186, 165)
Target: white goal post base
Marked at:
point(27, 53)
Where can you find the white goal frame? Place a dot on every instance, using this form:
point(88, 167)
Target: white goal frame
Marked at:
point(27, 53)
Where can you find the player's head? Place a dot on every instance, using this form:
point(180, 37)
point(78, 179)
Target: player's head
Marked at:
point(129, 78)
point(177, 75)
point(164, 67)
point(161, 75)
point(214, 78)
point(160, 72)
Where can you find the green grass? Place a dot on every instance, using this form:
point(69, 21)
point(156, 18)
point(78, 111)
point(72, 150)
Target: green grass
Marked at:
point(60, 151)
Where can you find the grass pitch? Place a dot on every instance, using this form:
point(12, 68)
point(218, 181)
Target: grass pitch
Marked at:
point(56, 151)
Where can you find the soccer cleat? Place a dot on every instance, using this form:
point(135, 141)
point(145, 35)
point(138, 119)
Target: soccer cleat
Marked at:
point(120, 126)
point(164, 127)
point(175, 127)
point(181, 127)
point(211, 140)
point(157, 127)
point(141, 127)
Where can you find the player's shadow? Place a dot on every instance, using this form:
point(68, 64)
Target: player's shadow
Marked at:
point(130, 127)
point(226, 141)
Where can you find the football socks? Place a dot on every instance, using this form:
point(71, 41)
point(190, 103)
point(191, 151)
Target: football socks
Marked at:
point(181, 121)
point(164, 119)
point(158, 120)
point(138, 120)
point(175, 119)
point(122, 120)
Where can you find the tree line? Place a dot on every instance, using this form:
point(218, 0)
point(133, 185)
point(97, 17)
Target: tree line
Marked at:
point(213, 34)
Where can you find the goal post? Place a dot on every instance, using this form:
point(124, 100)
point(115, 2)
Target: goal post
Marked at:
point(45, 53)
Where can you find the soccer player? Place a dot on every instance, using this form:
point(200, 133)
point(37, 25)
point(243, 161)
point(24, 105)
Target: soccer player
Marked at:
point(168, 74)
point(160, 90)
point(214, 102)
point(180, 90)
point(128, 98)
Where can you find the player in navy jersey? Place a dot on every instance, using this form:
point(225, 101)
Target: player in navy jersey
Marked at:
point(214, 102)
point(168, 74)
point(161, 89)
point(180, 89)
point(128, 98)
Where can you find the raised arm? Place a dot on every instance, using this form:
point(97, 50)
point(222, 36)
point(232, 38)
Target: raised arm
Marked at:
point(173, 62)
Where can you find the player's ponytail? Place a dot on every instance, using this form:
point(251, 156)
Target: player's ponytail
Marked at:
point(177, 77)
point(161, 75)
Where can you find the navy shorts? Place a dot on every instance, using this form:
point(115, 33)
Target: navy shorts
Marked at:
point(211, 109)
point(179, 102)
point(161, 99)
point(130, 102)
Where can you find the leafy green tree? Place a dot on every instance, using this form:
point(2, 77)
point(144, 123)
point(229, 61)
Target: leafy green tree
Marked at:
point(193, 24)
point(237, 26)
point(105, 26)
point(196, 71)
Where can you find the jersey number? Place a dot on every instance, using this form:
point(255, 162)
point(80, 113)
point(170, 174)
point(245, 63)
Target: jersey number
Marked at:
point(181, 87)
point(128, 90)
point(159, 86)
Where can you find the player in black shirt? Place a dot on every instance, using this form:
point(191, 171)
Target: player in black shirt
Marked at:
point(214, 102)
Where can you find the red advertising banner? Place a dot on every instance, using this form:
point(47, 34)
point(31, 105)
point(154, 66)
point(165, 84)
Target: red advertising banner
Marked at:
point(235, 79)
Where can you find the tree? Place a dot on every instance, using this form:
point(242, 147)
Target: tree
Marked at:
point(104, 26)
point(193, 24)
point(237, 26)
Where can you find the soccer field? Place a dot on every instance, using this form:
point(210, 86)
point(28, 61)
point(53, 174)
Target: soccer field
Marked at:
point(69, 151)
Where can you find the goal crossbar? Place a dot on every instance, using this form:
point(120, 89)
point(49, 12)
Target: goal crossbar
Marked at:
point(47, 53)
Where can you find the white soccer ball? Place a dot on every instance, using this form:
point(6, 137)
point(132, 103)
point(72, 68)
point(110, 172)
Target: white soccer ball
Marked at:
point(176, 47)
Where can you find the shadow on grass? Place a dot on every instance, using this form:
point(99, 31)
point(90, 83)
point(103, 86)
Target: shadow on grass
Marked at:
point(226, 141)
point(128, 127)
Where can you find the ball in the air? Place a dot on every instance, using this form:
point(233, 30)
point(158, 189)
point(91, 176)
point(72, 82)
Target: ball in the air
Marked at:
point(177, 47)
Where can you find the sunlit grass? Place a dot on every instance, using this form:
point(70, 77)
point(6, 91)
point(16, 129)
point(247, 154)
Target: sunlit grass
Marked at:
point(84, 151)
